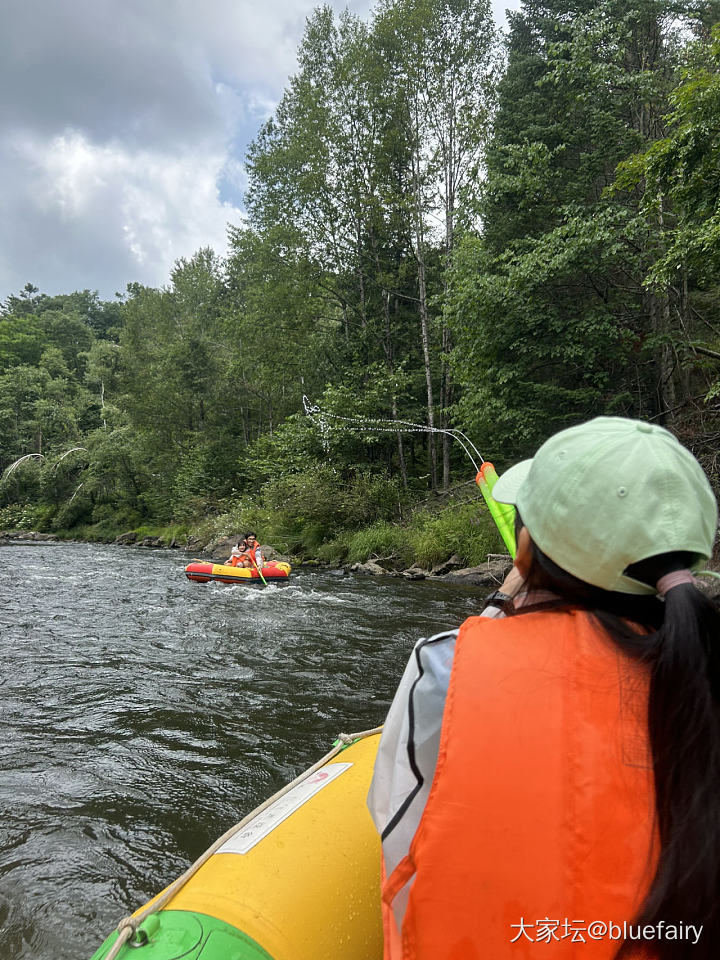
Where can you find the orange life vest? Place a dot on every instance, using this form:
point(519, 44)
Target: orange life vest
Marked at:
point(250, 554)
point(541, 810)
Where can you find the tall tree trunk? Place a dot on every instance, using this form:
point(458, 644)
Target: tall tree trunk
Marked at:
point(401, 452)
point(666, 354)
point(102, 402)
point(445, 402)
point(445, 384)
point(666, 364)
point(425, 336)
point(658, 312)
point(243, 417)
point(424, 317)
point(361, 290)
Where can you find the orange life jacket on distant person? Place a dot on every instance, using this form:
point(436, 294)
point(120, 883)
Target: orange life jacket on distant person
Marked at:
point(541, 810)
point(235, 558)
point(249, 555)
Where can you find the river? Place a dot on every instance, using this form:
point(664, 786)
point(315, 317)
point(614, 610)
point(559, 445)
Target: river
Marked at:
point(142, 715)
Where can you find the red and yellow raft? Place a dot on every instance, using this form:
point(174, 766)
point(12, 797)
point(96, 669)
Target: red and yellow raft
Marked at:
point(202, 572)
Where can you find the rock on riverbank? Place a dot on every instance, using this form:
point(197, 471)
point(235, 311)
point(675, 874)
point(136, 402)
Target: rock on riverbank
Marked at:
point(489, 575)
point(24, 536)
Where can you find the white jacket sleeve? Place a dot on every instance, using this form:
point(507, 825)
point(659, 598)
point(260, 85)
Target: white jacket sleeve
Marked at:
point(408, 751)
point(409, 746)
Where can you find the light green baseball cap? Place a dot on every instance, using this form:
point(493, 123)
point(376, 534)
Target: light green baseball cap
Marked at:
point(608, 493)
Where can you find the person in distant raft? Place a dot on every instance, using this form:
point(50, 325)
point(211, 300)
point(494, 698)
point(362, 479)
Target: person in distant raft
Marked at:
point(248, 553)
point(254, 551)
point(237, 552)
point(548, 779)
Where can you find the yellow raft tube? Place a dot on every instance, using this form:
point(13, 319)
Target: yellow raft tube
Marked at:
point(298, 879)
point(201, 571)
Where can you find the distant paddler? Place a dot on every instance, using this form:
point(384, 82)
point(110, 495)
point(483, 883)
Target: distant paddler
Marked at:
point(248, 554)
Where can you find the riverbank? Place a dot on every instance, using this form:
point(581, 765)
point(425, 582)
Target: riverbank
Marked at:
point(488, 574)
point(448, 536)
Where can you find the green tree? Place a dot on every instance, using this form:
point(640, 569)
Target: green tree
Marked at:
point(22, 340)
point(680, 183)
point(444, 58)
point(553, 319)
point(319, 176)
point(680, 172)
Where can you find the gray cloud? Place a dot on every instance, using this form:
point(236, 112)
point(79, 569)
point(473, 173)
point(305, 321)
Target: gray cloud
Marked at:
point(104, 67)
point(123, 125)
point(100, 216)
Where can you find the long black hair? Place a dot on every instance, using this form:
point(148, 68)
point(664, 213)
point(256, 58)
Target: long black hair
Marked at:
point(680, 643)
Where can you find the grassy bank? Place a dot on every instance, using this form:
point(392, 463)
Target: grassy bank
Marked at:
point(428, 536)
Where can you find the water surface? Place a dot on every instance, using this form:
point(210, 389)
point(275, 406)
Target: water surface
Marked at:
point(142, 715)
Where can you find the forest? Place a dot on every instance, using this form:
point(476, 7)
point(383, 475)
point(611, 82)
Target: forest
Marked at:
point(446, 226)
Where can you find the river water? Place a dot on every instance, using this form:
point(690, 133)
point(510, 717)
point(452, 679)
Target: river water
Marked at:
point(141, 715)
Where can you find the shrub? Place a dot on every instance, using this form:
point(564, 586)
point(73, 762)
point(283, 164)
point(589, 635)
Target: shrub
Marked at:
point(385, 541)
point(74, 512)
point(19, 516)
point(122, 516)
point(467, 531)
point(335, 551)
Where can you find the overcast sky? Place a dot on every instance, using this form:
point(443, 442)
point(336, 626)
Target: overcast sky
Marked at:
point(123, 130)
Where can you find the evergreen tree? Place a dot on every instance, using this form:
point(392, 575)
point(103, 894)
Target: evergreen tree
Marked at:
point(554, 322)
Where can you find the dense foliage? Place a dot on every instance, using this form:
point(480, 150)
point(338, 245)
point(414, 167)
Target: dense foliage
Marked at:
point(442, 230)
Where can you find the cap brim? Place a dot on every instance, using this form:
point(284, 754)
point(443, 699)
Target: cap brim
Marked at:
point(508, 485)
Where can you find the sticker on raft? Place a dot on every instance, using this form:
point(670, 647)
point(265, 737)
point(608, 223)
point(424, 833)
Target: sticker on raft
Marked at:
point(264, 823)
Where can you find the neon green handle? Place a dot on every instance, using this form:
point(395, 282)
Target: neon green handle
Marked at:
point(502, 513)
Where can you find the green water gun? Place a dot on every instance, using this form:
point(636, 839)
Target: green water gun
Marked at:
point(502, 513)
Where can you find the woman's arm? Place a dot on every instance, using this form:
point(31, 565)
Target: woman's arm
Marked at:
point(409, 746)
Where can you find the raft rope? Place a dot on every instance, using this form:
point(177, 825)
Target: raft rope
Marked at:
point(128, 927)
point(377, 425)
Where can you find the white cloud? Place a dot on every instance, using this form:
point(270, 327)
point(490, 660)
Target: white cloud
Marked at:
point(142, 208)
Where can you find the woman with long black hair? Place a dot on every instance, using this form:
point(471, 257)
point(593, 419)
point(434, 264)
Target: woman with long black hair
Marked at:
point(548, 781)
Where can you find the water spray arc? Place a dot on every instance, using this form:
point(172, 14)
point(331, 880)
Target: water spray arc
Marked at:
point(485, 474)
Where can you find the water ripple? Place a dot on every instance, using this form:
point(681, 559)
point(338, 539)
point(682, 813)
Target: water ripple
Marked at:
point(142, 715)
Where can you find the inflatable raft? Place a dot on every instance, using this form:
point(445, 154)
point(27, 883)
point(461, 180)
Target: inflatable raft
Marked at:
point(297, 879)
point(202, 572)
